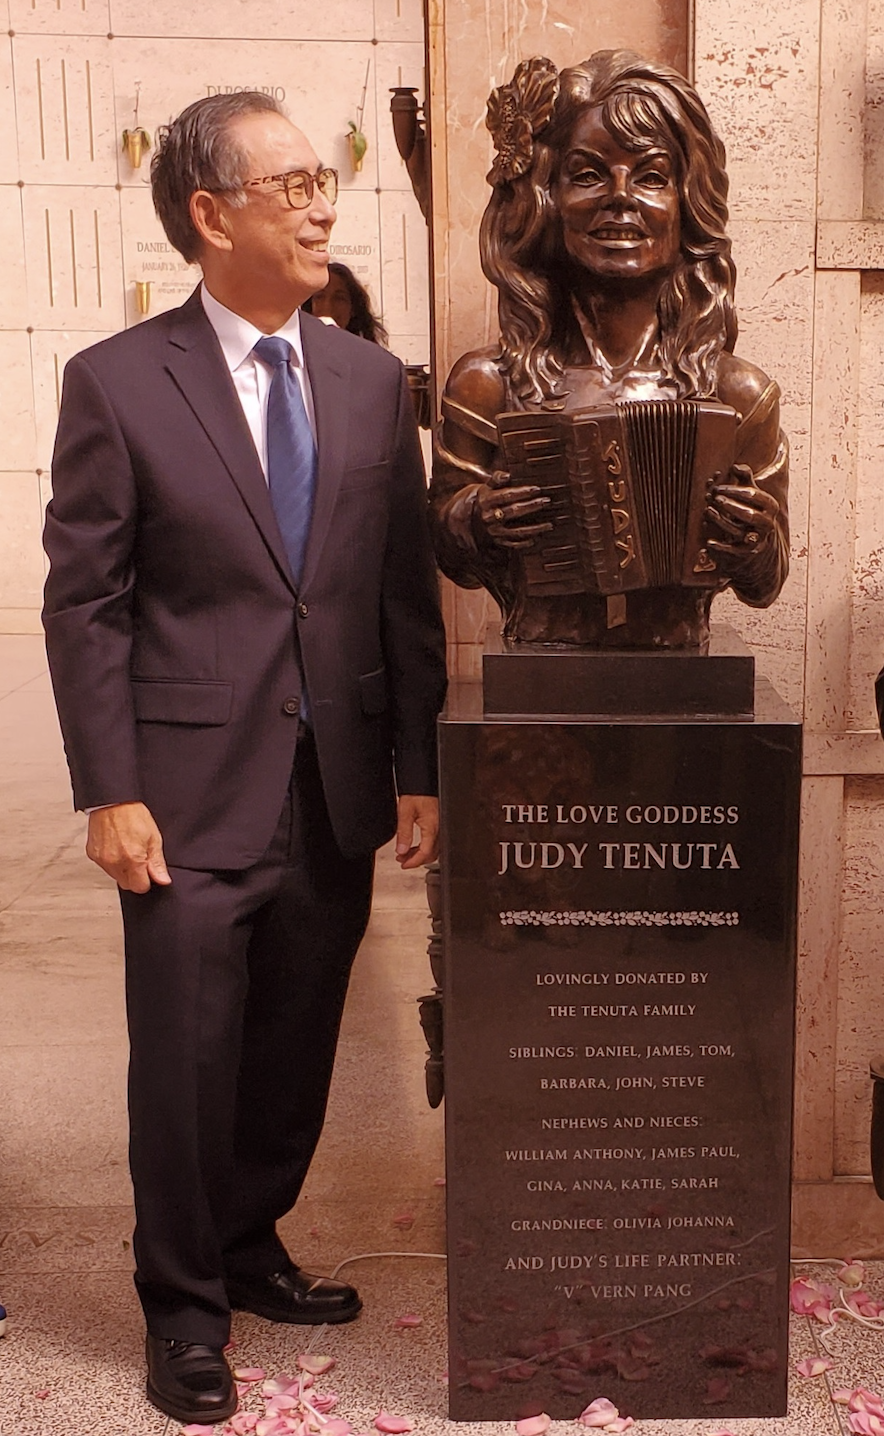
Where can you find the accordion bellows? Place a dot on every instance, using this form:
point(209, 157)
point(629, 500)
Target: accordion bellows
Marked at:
point(628, 486)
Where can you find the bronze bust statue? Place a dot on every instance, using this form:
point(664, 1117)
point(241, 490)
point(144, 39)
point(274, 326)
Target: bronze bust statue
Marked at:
point(605, 236)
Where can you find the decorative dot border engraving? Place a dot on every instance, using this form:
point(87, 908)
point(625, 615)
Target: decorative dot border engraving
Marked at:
point(528, 917)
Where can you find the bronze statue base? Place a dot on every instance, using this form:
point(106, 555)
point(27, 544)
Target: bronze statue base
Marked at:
point(548, 679)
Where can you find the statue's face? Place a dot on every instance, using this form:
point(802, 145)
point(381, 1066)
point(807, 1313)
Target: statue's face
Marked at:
point(620, 209)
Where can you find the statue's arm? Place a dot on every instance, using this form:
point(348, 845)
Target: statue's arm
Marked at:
point(752, 510)
point(462, 465)
point(477, 515)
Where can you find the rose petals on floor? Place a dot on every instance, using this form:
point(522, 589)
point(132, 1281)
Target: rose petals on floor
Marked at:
point(813, 1366)
point(392, 1425)
point(292, 1405)
point(852, 1274)
point(315, 1365)
point(533, 1425)
point(599, 1414)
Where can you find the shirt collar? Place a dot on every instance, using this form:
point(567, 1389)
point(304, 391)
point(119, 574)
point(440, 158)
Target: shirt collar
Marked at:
point(238, 337)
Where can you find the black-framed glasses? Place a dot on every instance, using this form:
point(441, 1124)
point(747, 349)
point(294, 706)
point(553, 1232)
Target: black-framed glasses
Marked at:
point(297, 185)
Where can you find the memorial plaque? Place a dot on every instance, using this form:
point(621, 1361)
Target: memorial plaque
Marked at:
point(620, 945)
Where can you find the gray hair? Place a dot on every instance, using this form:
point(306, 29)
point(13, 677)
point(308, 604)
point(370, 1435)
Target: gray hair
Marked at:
point(197, 151)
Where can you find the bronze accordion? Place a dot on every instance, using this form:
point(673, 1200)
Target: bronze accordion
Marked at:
point(628, 486)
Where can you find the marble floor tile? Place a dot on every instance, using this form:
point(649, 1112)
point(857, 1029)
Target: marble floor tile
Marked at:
point(71, 1362)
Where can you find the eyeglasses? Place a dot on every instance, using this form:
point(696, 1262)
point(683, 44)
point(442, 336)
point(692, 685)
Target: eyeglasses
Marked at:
point(297, 185)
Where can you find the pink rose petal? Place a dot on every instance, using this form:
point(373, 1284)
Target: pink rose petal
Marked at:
point(852, 1274)
point(862, 1399)
point(404, 1221)
point(337, 1427)
point(274, 1426)
point(316, 1365)
point(281, 1403)
point(231, 1346)
point(250, 1374)
point(842, 1395)
point(864, 1423)
point(198, 1431)
point(440, 1182)
point(314, 1232)
point(323, 1402)
point(281, 1385)
point(533, 1425)
point(409, 1319)
point(243, 1423)
point(392, 1425)
point(813, 1366)
point(620, 1423)
point(599, 1414)
point(812, 1298)
point(41, 1395)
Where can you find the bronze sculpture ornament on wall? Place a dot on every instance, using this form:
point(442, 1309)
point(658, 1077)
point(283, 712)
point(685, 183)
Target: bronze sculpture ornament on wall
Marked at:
point(412, 142)
point(142, 296)
point(357, 142)
point(610, 465)
point(137, 141)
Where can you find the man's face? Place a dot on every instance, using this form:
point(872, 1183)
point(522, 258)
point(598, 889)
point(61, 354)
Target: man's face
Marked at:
point(620, 209)
point(277, 251)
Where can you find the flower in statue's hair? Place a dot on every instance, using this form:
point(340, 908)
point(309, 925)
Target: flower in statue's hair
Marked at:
point(517, 113)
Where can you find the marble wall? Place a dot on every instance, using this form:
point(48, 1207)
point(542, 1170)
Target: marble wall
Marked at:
point(796, 90)
point(77, 228)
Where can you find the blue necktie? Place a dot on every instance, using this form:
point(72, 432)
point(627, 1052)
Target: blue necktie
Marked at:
point(291, 453)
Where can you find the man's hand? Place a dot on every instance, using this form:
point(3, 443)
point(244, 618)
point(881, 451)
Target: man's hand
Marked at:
point(423, 813)
point(125, 841)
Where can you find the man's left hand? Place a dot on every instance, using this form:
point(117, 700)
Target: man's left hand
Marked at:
point(421, 813)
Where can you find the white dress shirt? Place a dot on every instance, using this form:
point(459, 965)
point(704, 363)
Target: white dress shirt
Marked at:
point(251, 375)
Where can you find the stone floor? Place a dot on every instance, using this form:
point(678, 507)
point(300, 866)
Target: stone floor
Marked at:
point(70, 1364)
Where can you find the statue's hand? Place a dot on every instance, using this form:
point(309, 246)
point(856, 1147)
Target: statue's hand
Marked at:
point(744, 517)
point(501, 511)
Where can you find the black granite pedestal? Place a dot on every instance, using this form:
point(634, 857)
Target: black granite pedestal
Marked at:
point(620, 899)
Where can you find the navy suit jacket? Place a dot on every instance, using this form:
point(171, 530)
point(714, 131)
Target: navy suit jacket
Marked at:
point(176, 635)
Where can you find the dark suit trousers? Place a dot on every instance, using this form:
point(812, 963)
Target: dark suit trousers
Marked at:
point(235, 985)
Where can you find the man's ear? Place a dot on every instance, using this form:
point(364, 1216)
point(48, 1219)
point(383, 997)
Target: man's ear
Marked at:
point(209, 219)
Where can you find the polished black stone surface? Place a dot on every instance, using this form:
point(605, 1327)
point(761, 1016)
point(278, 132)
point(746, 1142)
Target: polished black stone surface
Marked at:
point(619, 947)
point(540, 678)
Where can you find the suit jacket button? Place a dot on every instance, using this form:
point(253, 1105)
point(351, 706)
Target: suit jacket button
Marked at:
point(303, 610)
point(291, 705)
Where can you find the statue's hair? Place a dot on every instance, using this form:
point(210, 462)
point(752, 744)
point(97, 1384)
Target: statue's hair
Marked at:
point(521, 241)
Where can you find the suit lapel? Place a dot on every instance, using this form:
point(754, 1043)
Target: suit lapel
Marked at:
point(196, 364)
point(329, 374)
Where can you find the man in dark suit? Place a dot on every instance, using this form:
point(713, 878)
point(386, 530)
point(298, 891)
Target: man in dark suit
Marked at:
point(247, 655)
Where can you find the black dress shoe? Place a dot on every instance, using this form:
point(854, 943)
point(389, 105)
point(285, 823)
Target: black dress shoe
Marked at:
point(191, 1382)
point(296, 1296)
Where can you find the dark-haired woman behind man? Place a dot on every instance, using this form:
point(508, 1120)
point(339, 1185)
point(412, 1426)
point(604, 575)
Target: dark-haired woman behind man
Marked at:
point(346, 301)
